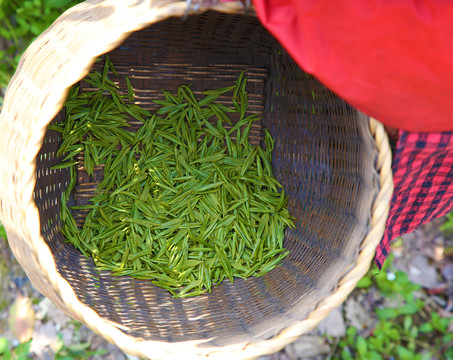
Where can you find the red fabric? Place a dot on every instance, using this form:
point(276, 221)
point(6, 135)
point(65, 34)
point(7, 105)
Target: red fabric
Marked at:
point(391, 59)
point(423, 181)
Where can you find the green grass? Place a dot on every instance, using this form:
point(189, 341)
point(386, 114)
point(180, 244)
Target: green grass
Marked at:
point(21, 21)
point(2, 232)
point(4, 273)
point(79, 351)
point(407, 330)
point(447, 226)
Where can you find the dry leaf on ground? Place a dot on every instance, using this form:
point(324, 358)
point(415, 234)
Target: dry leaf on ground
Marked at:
point(22, 318)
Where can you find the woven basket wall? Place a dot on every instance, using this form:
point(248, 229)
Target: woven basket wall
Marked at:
point(333, 161)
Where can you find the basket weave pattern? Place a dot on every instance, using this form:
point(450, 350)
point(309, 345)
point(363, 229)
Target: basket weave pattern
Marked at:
point(333, 162)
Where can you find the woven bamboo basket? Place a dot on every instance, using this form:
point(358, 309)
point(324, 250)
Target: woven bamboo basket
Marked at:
point(333, 161)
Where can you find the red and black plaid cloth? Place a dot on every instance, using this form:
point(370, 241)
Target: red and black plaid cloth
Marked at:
point(423, 184)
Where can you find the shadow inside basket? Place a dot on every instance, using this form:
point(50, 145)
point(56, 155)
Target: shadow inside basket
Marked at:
point(324, 157)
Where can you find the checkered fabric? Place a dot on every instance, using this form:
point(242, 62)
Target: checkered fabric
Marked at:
point(423, 181)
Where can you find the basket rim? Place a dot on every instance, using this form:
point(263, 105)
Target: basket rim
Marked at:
point(126, 17)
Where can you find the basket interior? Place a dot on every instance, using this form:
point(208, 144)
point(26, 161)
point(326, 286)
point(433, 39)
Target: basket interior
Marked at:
point(324, 157)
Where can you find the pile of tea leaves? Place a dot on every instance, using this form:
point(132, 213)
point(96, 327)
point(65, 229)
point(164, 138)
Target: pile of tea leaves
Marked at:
point(186, 201)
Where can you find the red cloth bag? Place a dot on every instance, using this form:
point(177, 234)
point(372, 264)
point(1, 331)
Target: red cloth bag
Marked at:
point(391, 59)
